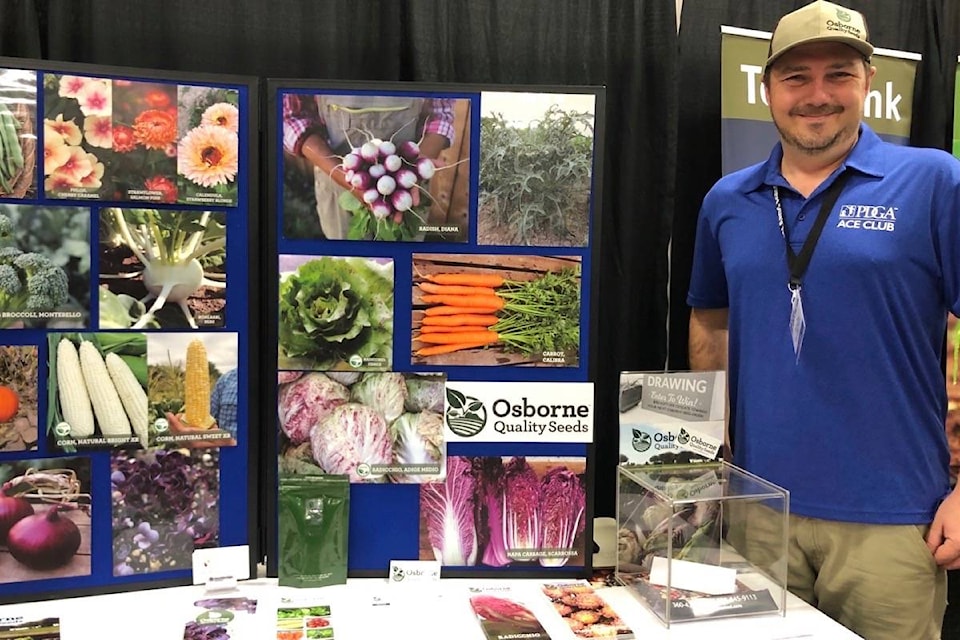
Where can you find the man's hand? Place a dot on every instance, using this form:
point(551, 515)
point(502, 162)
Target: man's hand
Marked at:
point(943, 539)
point(177, 428)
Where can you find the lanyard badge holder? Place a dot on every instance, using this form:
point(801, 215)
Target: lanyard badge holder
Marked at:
point(797, 263)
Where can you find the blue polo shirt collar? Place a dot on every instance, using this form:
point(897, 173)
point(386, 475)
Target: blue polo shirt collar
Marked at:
point(864, 157)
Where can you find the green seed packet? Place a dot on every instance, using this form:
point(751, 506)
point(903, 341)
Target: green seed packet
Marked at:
point(314, 513)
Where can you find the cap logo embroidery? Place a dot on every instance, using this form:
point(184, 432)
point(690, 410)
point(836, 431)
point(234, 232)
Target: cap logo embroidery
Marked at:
point(843, 16)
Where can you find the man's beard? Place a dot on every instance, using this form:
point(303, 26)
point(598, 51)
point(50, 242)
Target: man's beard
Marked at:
point(817, 144)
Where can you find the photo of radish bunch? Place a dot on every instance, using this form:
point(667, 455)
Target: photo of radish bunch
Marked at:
point(386, 176)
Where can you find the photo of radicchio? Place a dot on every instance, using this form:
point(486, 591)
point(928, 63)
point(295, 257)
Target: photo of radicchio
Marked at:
point(497, 511)
point(372, 427)
point(164, 507)
point(502, 616)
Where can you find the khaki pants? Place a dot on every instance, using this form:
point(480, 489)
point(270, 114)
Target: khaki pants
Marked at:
point(880, 581)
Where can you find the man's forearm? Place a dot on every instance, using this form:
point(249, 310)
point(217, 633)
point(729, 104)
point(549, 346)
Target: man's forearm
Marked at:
point(708, 339)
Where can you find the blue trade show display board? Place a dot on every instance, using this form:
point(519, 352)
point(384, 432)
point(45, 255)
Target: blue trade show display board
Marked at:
point(127, 203)
point(430, 308)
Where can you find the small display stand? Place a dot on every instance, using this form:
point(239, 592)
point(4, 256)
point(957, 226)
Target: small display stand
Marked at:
point(705, 540)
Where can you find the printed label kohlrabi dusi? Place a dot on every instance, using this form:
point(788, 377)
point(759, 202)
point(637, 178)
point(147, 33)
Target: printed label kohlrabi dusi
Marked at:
point(671, 417)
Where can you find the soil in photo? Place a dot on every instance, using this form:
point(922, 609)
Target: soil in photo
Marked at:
point(490, 232)
point(18, 371)
point(206, 301)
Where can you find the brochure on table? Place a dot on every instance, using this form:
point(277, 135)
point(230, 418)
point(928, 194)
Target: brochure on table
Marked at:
point(125, 316)
point(432, 316)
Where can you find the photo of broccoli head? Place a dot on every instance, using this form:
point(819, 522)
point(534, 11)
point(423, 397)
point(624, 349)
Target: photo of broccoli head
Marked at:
point(43, 271)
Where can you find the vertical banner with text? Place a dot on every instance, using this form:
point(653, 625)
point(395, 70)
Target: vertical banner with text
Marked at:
point(953, 332)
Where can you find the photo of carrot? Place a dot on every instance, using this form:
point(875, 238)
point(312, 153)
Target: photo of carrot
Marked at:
point(496, 310)
point(478, 337)
point(436, 328)
point(486, 301)
point(462, 319)
point(441, 349)
point(446, 310)
point(469, 279)
point(456, 289)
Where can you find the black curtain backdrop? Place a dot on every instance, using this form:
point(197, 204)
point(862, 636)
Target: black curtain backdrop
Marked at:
point(627, 46)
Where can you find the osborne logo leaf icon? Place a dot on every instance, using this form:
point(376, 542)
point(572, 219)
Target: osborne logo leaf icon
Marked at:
point(641, 440)
point(466, 416)
point(843, 16)
point(683, 437)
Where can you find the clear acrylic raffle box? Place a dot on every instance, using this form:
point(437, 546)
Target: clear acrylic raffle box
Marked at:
point(701, 541)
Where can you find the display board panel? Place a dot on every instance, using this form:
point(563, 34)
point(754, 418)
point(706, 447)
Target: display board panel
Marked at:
point(432, 312)
point(125, 212)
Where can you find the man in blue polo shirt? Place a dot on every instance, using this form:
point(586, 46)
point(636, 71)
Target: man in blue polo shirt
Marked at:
point(821, 280)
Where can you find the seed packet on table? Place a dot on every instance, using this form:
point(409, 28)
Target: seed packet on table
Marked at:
point(585, 612)
point(17, 627)
point(502, 615)
point(222, 619)
point(314, 515)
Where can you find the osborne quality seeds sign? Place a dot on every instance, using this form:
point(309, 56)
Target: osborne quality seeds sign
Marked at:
point(519, 412)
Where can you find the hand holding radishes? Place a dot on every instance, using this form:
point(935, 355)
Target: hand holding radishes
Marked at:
point(389, 178)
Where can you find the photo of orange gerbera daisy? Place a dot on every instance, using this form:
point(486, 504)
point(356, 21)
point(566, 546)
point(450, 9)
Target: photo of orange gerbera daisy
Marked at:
point(155, 129)
point(208, 156)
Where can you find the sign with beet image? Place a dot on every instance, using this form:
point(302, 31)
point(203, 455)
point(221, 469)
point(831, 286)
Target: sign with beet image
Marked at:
point(126, 207)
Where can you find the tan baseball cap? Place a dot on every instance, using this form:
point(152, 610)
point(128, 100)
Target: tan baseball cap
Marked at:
point(819, 21)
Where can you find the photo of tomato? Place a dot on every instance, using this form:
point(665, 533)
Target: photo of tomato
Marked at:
point(316, 623)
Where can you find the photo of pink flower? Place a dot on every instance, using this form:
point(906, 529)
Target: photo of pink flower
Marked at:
point(56, 151)
point(140, 140)
point(98, 131)
point(76, 135)
point(68, 167)
point(70, 86)
point(123, 140)
point(68, 130)
point(94, 98)
point(208, 157)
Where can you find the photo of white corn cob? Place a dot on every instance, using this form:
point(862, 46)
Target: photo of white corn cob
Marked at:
point(132, 395)
point(74, 399)
point(107, 406)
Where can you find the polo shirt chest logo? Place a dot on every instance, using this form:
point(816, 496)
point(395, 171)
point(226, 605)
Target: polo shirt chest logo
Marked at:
point(869, 217)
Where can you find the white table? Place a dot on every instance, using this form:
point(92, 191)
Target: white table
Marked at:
point(422, 611)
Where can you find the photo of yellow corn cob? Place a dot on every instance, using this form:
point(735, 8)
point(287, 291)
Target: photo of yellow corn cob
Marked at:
point(182, 396)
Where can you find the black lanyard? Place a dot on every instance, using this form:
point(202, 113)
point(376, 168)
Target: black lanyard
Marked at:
point(797, 264)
